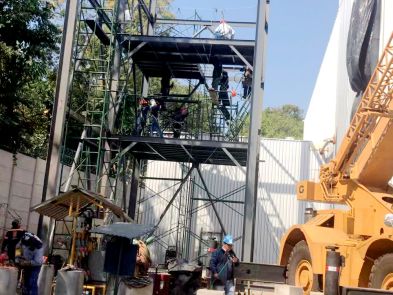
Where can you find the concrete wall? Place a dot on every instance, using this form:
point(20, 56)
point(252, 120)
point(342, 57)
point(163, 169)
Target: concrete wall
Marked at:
point(21, 183)
point(21, 180)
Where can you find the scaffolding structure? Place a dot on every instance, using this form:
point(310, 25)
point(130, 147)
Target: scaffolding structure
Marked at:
point(112, 51)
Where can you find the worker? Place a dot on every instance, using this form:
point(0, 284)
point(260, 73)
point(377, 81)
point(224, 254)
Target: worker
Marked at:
point(142, 116)
point(217, 72)
point(224, 31)
point(166, 85)
point(247, 82)
point(155, 107)
point(30, 262)
point(178, 119)
point(143, 260)
point(11, 239)
point(222, 265)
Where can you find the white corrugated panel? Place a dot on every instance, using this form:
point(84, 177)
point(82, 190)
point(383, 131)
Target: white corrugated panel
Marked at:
point(320, 113)
point(345, 96)
point(386, 23)
point(154, 197)
point(226, 182)
point(285, 163)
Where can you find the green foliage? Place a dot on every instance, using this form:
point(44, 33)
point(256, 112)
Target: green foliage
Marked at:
point(28, 40)
point(281, 122)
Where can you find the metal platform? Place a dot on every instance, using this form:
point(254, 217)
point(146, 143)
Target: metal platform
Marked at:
point(180, 56)
point(179, 150)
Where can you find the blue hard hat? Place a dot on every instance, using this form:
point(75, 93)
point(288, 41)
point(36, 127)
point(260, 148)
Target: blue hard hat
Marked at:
point(228, 239)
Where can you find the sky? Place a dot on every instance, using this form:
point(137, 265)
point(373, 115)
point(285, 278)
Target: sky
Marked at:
point(299, 32)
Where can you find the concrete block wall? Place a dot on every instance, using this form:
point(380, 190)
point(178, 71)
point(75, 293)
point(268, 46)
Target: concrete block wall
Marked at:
point(21, 180)
point(21, 184)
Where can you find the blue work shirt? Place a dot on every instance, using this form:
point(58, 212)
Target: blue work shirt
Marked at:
point(222, 264)
point(35, 257)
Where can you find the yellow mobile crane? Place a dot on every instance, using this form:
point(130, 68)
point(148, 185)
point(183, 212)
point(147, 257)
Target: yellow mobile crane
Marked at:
point(359, 177)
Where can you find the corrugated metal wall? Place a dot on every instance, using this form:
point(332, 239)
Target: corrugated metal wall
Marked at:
point(344, 96)
point(386, 23)
point(322, 95)
point(285, 162)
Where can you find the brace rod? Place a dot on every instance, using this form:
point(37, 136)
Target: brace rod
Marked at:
point(174, 197)
point(187, 152)
point(211, 201)
point(241, 57)
point(156, 151)
point(195, 88)
point(76, 159)
point(146, 10)
point(234, 160)
point(199, 32)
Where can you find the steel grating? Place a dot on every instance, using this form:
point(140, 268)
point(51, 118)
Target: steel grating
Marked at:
point(180, 56)
point(180, 150)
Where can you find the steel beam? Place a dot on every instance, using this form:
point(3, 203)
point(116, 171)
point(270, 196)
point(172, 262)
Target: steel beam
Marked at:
point(161, 178)
point(219, 201)
point(260, 272)
point(203, 23)
point(254, 133)
point(241, 146)
point(363, 291)
point(51, 181)
point(211, 201)
point(189, 40)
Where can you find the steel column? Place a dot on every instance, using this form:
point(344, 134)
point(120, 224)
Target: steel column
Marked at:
point(250, 200)
point(50, 186)
point(113, 101)
point(134, 189)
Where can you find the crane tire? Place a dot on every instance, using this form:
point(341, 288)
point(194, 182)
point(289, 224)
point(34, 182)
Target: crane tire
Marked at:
point(381, 276)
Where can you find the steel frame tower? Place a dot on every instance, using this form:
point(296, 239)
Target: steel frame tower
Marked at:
point(113, 48)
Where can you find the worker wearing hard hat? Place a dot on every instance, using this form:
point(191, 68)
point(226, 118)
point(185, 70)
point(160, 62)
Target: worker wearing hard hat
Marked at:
point(11, 240)
point(221, 265)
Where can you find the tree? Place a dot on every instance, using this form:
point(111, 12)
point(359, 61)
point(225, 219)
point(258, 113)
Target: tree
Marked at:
point(28, 41)
point(281, 122)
